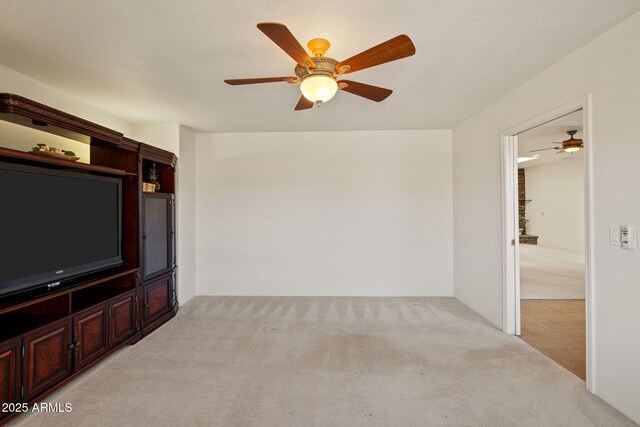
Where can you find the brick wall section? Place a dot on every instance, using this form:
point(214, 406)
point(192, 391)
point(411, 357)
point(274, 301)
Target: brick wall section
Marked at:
point(521, 195)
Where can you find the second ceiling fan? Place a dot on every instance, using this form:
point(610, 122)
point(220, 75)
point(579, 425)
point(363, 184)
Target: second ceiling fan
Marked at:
point(570, 145)
point(318, 76)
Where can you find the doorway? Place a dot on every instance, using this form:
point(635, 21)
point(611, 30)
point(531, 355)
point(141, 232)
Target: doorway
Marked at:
point(551, 240)
point(547, 249)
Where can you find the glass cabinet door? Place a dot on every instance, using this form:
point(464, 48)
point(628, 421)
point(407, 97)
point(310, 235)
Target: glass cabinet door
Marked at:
point(158, 233)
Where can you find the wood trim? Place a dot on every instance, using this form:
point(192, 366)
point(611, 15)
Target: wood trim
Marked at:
point(158, 155)
point(130, 144)
point(10, 103)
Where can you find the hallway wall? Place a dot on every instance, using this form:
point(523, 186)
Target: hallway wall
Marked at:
point(556, 209)
point(608, 69)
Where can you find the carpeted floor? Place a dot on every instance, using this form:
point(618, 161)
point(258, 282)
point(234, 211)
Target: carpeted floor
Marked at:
point(251, 361)
point(551, 273)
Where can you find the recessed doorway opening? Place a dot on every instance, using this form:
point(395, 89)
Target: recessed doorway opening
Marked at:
point(547, 247)
point(551, 240)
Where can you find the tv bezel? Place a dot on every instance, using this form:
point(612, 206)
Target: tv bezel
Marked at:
point(23, 284)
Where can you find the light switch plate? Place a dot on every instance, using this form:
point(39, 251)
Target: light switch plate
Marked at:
point(614, 236)
point(633, 237)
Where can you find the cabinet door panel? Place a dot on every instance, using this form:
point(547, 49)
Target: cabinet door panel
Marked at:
point(47, 358)
point(9, 373)
point(90, 336)
point(157, 298)
point(122, 318)
point(157, 220)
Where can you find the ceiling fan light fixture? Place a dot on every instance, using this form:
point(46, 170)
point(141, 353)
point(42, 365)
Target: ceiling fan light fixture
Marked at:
point(571, 148)
point(319, 88)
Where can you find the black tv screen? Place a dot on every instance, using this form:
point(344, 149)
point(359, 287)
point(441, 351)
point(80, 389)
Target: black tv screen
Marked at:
point(56, 225)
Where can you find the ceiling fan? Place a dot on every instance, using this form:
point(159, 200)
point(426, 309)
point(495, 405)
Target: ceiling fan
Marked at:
point(318, 76)
point(570, 145)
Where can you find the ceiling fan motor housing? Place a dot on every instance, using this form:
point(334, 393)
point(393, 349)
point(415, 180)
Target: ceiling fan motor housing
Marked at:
point(325, 66)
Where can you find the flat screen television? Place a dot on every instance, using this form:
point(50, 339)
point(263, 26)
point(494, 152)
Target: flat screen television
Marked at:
point(56, 225)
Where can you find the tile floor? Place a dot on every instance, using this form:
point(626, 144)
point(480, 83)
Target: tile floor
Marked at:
point(557, 329)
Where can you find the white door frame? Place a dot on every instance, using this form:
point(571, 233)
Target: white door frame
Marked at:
point(510, 250)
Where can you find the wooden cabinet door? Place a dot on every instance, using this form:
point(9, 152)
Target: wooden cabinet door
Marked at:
point(90, 335)
point(157, 298)
point(158, 234)
point(9, 373)
point(47, 358)
point(122, 318)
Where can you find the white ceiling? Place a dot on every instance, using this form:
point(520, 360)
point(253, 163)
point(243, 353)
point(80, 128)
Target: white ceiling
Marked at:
point(165, 61)
point(543, 136)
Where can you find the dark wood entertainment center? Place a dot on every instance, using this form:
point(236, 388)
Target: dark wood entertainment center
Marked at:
point(48, 338)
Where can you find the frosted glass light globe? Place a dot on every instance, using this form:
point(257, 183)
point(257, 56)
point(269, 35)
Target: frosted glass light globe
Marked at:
point(572, 149)
point(319, 88)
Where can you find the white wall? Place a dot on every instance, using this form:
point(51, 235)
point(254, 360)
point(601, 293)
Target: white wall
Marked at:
point(556, 209)
point(13, 82)
point(161, 135)
point(609, 68)
point(186, 215)
point(326, 213)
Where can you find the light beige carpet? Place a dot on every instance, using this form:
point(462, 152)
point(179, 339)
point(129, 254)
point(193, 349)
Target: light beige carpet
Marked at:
point(250, 361)
point(551, 273)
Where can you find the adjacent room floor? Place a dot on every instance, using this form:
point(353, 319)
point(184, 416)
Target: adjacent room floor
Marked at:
point(557, 329)
point(552, 304)
point(551, 273)
point(328, 361)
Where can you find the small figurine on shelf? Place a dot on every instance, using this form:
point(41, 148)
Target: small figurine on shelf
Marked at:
point(153, 177)
point(45, 150)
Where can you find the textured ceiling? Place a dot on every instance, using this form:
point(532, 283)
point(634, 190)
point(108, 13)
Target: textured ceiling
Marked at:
point(165, 61)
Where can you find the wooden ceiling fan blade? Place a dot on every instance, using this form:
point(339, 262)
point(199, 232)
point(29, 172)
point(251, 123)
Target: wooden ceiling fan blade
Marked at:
point(280, 35)
point(235, 82)
point(396, 48)
point(543, 149)
point(373, 93)
point(303, 104)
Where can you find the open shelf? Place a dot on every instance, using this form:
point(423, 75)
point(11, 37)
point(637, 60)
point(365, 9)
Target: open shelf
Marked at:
point(21, 323)
point(32, 317)
point(165, 174)
point(87, 298)
point(34, 159)
point(39, 296)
